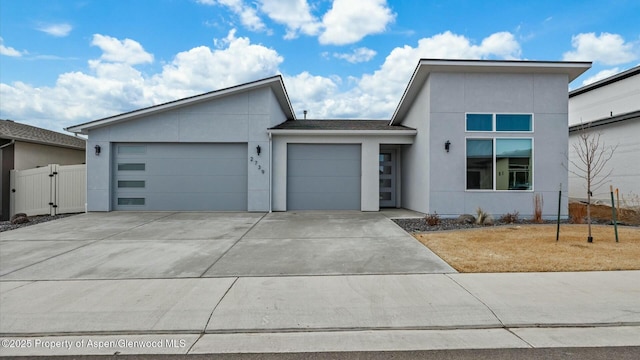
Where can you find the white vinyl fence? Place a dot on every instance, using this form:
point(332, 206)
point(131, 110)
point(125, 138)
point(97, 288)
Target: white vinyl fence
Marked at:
point(49, 190)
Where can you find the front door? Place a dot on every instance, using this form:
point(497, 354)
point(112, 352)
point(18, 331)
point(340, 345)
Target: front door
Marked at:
point(387, 178)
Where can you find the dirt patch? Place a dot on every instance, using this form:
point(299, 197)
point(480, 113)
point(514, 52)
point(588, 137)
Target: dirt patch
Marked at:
point(533, 248)
point(602, 213)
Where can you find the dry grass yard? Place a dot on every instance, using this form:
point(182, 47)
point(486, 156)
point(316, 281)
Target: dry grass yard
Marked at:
point(533, 248)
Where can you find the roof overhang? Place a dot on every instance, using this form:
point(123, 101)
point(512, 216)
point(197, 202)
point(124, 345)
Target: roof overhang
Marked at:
point(408, 132)
point(30, 141)
point(428, 66)
point(275, 83)
point(606, 81)
point(633, 115)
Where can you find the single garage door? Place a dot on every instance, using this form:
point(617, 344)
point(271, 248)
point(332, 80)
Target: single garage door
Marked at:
point(182, 177)
point(323, 177)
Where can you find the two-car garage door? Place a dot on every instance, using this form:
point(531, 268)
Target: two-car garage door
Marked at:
point(180, 176)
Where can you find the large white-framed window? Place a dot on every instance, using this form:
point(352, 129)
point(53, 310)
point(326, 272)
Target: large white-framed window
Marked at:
point(498, 122)
point(499, 163)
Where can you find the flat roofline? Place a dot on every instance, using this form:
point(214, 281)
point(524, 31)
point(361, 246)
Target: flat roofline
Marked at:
point(407, 132)
point(633, 115)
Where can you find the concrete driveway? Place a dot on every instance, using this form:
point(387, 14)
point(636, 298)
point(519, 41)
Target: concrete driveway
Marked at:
point(164, 245)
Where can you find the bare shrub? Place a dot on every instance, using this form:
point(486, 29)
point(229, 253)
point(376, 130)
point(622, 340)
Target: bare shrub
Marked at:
point(432, 219)
point(510, 218)
point(537, 208)
point(481, 216)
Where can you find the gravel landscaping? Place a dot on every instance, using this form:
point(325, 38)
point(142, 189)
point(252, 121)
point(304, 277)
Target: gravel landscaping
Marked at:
point(415, 225)
point(38, 219)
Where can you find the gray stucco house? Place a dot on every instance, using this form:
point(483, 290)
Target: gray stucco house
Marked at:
point(466, 134)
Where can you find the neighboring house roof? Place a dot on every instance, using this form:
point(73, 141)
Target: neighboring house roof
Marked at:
point(427, 66)
point(274, 82)
point(606, 81)
point(22, 132)
point(630, 116)
point(336, 127)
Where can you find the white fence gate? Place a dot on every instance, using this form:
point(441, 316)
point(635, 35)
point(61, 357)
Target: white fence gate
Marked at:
point(49, 190)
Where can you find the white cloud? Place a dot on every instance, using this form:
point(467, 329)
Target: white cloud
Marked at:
point(8, 50)
point(57, 30)
point(603, 74)
point(376, 95)
point(608, 49)
point(346, 22)
point(200, 69)
point(349, 21)
point(247, 14)
point(295, 14)
point(126, 51)
point(312, 93)
point(358, 55)
point(113, 85)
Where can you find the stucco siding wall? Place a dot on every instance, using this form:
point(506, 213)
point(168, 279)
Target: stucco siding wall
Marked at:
point(453, 95)
point(625, 162)
point(370, 150)
point(29, 155)
point(618, 98)
point(415, 158)
point(242, 118)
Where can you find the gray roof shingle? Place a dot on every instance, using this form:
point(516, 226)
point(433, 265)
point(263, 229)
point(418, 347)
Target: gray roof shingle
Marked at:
point(338, 125)
point(16, 131)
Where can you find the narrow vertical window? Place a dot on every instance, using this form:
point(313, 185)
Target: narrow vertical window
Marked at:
point(480, 164)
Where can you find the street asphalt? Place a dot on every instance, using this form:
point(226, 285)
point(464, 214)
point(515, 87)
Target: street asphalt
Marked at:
point(295, 282)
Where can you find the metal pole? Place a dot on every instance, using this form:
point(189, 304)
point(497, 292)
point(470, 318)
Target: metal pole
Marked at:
point(613, 210)
point(559, 209)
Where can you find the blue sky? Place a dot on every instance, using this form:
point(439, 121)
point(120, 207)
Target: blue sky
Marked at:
point(64, 62)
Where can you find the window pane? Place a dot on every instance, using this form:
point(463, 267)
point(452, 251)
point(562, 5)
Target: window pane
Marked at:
point(513, 164)
point(480, 164)
point(130, 183)
point(386, 170)
point(513, 122)
point(479, 122)
point(131, 149)
point(131, 167)
point(385, 183)
point(130, 201)
point(385, 157)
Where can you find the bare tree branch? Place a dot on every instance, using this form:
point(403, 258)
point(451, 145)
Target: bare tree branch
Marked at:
point(593, 156)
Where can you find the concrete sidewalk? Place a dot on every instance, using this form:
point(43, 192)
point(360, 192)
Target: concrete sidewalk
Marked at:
point(321, 313)
point(193, 283)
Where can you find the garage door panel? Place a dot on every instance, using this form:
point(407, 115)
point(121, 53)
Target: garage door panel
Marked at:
point(319, 184)
point(197, 201)
point(323, 151)
point(320, 201)
point(323, 176)
point(180, 176)
point(319, 167)
point(202, 184)
point(209, 166)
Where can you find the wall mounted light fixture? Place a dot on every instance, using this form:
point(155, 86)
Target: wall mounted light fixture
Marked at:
point(97, 147)
point(447, 145)
point(258, 150)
